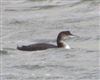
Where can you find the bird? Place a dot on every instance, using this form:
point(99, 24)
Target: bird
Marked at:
point(61, 43)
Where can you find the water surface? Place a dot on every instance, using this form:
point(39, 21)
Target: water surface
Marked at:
point(41, 21)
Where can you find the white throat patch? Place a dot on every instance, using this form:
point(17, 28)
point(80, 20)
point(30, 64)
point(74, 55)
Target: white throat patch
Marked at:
point(66, 46)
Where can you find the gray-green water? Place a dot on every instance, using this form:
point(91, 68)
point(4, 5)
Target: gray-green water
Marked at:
point(41, 21)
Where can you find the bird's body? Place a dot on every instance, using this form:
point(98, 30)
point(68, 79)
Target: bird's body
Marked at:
point(62, 36)
point(37, 46)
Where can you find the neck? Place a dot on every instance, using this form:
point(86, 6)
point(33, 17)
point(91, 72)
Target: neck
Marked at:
point(62, 44)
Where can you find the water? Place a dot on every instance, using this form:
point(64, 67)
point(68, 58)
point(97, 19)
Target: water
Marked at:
point(41, 21)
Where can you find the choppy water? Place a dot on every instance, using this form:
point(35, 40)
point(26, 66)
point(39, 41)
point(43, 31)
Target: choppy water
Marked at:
point(25, 19)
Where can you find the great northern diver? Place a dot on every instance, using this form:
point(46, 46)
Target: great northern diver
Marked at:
point(62, 36)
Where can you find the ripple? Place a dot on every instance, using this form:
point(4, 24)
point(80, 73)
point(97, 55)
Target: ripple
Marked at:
point(29, 67)
point(82, 38)
point(37, 0)
point(17, 22)
point(92, 51)
point(3, 52)
point(9, 76)
point(97, 37)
